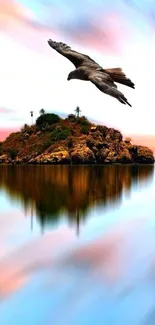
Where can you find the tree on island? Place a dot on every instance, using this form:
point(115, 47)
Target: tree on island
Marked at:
point(77, 111)
point(42, 113)
point(47, 119)
point(31, 112)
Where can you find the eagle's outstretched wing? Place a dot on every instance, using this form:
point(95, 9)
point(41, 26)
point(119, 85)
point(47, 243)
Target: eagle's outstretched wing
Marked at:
point(105, 84)
point(78, 59)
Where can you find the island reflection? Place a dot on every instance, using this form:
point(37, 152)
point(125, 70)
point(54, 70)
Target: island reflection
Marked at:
point(50, 191)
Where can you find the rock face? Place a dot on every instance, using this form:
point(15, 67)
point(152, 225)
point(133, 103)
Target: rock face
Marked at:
point(60, 156)
point(82, 154)
point(144, 155)
point(100, 145)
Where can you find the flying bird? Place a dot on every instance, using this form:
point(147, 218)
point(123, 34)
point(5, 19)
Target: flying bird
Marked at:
point(87, 69)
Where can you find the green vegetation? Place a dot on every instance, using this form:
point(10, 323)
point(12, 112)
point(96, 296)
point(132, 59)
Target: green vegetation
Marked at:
point(47, 119)
point(85, 129)
point(72, 118)
point(60, 134)
point(83, 121)
point(42, 113)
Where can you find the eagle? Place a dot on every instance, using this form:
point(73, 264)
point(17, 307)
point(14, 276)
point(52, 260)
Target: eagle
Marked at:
point(87, 69)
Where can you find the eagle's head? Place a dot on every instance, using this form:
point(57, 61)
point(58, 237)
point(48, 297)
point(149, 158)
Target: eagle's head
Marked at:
point(72, 75)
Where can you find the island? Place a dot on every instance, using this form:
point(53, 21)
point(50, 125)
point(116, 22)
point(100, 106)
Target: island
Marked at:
point(70, 140)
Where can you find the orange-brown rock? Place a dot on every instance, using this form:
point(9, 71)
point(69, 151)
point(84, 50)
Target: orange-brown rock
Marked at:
point(144, 155)
point(82, 154)
point(71, 141)
point(60, 156)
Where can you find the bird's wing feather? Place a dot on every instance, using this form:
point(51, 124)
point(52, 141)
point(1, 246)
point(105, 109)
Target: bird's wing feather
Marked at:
point(101, 79)
point(76, 58)
point(105, 84)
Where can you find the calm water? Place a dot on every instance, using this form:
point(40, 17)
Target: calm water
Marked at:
point(77, 245)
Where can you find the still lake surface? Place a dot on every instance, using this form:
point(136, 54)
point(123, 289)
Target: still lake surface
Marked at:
point(77, 245)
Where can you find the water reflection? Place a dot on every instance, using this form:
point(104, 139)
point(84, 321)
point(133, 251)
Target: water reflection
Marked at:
point(99, 277)
point(51, 191)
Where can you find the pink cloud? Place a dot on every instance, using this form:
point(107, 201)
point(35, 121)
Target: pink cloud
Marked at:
point(5, 132)
point(107, 33)
point(16, 268)
point(17, 22)
point(106, 255)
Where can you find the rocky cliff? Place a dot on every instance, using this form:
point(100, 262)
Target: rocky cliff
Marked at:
point(71, 141)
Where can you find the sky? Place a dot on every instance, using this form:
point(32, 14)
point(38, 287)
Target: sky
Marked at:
point(33, 76)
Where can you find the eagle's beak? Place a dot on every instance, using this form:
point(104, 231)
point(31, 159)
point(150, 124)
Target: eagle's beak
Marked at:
point(68, 78)
point(50, 42)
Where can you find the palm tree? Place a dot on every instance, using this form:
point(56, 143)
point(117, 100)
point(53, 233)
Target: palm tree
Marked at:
point(42, 111)
point(31, 112)
point(77, 110)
